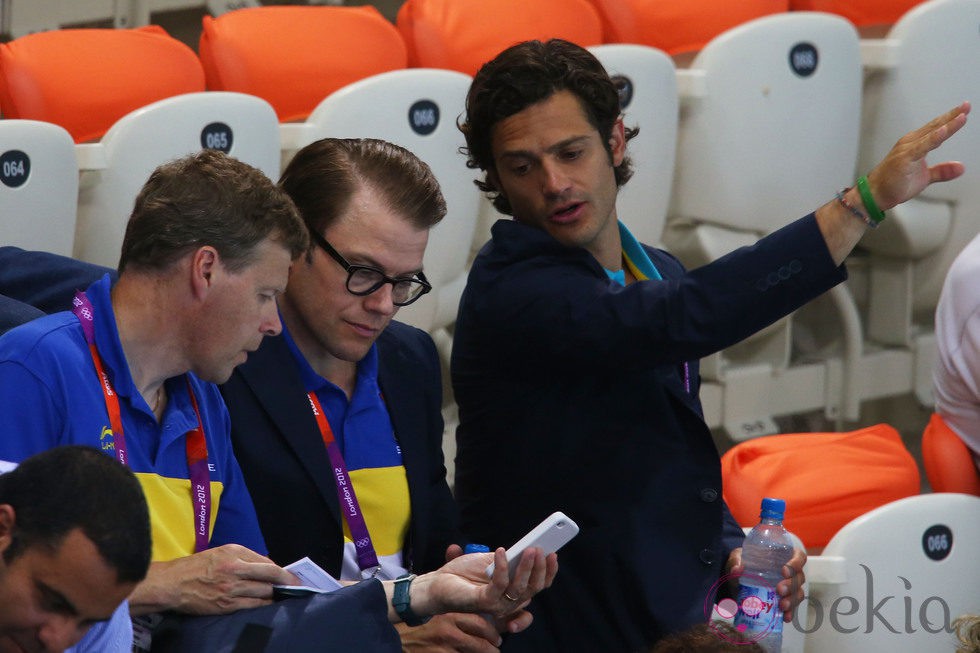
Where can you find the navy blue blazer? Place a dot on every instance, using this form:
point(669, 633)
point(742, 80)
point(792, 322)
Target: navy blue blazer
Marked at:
point(580, 395)
point(281, 453)
point(33, 284)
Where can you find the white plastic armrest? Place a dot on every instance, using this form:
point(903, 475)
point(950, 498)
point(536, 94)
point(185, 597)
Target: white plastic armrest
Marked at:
point(90, 156)
point(826, 570)
point(295, 135)
point(690, 83)
point(879, 53)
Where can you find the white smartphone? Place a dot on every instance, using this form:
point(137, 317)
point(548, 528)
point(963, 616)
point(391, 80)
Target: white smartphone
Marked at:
point(549, 536)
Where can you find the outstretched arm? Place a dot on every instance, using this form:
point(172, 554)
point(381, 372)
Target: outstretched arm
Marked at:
point(900, 176)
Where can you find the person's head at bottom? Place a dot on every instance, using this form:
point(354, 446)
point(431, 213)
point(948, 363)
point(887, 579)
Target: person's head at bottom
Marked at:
point(74, 542)
point(717, 637)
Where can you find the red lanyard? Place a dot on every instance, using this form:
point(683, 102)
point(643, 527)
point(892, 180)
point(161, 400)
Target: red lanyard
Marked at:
point(351, 509)
point(196, 444)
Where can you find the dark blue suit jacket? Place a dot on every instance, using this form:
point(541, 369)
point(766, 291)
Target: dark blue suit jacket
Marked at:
point(572, 396)
point(285, 464)
point(33, 284)
point(354, 618)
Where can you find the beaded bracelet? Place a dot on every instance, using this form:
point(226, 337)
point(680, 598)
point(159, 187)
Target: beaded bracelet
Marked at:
point(874, 212)
point(854, 210)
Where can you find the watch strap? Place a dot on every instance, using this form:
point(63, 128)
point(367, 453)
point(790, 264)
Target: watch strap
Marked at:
point(402, 602)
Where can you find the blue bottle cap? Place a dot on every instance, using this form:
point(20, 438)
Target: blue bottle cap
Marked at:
point(773, 509)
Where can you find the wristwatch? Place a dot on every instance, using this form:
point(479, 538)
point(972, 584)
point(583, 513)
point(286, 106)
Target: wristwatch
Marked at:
point(402, 602)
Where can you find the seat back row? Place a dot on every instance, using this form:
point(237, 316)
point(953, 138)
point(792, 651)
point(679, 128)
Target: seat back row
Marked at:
point(766, 125)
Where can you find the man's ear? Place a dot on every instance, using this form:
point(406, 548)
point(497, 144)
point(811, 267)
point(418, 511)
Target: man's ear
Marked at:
point(204, 263)
point(8, 521)
point(617, 142)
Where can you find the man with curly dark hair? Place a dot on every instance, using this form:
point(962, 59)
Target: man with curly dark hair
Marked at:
point(576, 352)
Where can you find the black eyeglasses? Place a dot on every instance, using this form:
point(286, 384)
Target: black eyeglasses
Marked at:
point(365, 279)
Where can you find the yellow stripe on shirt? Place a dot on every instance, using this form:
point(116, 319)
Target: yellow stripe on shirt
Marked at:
point(172, 514)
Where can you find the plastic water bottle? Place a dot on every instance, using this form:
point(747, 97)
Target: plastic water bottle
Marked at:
point(766, 550)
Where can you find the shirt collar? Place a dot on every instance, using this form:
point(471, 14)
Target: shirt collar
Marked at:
point(179, 409)
point(107, 339)
point(367, 367)
point(636, 257)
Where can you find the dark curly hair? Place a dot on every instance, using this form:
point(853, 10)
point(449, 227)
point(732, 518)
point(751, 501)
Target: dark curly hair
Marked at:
point(717, 637)
point(76, 487)
point(528, 73)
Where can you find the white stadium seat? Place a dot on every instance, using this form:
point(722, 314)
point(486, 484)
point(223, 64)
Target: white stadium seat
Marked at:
point(894, 578)
point(115, 168)
point(38, 186)
point(927, 63)
point(768, 130)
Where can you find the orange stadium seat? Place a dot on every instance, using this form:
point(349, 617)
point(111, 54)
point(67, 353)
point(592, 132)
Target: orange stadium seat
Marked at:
point(948, 462)
point(863, 13)
point(294, 56)
point(463, 34)
point(826, 479)
point(679, 26)
point(86, 79)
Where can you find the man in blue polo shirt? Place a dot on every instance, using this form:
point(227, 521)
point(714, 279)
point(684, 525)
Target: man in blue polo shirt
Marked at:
point(130, 370)
point(206, 252)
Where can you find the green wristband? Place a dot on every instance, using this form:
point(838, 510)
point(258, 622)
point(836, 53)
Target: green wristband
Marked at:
point(868, 199)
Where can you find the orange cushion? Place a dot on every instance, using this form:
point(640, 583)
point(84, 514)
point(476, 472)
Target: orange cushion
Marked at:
point(87, 79)
point(464, 34)
point(826, 479)
point(677, 26)
point(619, 20)
point(860, 12)
point(948, 462)
point(294, 56)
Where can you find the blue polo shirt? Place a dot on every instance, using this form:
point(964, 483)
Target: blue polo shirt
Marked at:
point(635, 258)
point(51, 396)
point(363, 429)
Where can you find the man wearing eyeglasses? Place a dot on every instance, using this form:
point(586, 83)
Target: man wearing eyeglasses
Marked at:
point(179, 304)
point(337, 422)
